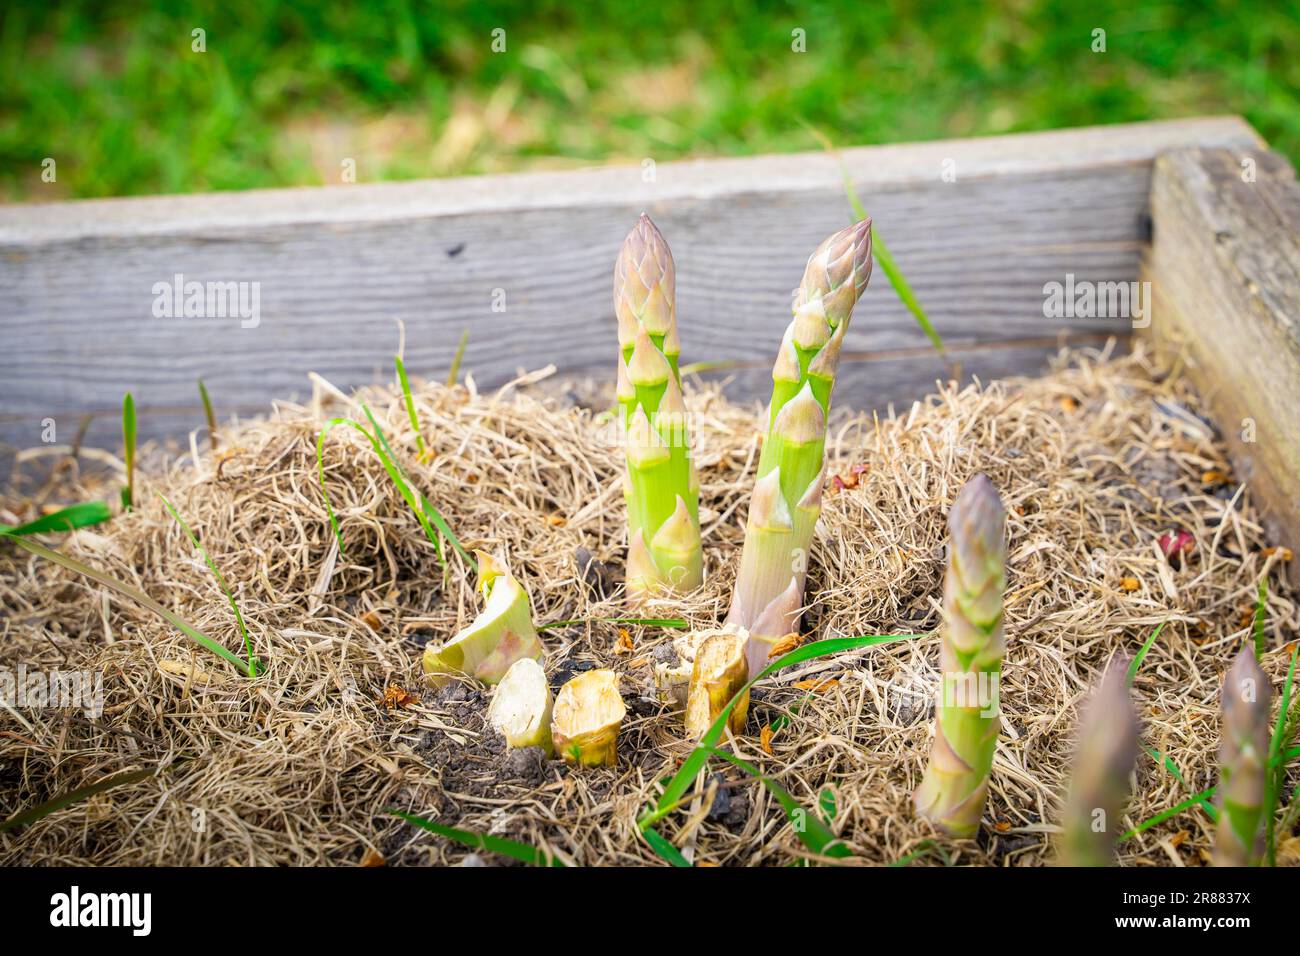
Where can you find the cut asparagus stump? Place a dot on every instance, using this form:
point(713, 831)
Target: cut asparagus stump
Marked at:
point(521, 706)
point(586, 719)
point(502, 634)
point(659, 486)
point(1243, 763)
point(1108, 742)
point(718, 674)
point(955, 785)
point(787, 496)
point(673, 678)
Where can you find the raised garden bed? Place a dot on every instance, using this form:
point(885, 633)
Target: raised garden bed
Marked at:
point(1101, 463)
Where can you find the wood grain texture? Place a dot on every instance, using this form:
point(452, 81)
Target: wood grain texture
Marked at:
point(1225, 273)
point(337, 266)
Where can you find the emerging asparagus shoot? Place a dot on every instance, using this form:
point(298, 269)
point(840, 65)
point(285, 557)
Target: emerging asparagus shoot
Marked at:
point(952, 793)
point(788, 493)
point(521, 706)
point(719, 673)
point(502, 634)
point(585, 722)
point(662, 494)
point(1108, 743)
point(1243, 763)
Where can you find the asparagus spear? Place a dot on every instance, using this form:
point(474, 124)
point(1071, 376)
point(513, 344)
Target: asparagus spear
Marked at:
point(1243, 762)
point(662, 494)
point(521, 706)
point(955, 785)
point(787, 495)
point(1108, 741)
point(502, 634)
point(586, 719)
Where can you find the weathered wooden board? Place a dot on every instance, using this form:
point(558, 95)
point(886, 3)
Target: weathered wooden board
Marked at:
point(1224, 268)
point(336, 266)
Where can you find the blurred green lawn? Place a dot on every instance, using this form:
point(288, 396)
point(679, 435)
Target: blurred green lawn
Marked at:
point(286, 92)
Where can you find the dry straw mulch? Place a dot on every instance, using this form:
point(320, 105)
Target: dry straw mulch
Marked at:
point(1095, 462)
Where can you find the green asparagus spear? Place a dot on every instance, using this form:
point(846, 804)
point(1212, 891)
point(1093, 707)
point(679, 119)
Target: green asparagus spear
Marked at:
point(1243, 762)
point(659, 485)
point(952, 793)
point(1108, 742)
point(787, 496)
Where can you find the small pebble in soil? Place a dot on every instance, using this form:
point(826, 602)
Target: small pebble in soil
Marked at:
point(665, 654)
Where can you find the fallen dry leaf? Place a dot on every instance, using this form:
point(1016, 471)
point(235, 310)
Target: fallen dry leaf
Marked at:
point(785, 645)
point(815, 685)
point(395, 697)
point(192, 672)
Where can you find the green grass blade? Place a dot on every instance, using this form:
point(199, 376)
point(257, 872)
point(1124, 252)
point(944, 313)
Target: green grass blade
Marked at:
point(1142, 654)
point(1261, 610)
point(664, 847)
point(1276, 766)
point(1167, 762)
point(230, 596)
point(394, 473)
point(826, 803)
point(410, 403)
point(676, 622)
point(812, 832)
point(128, 454)
point(454, 372)
point(902, 288)
point(431, 514)
point(1164, 815)
point(126, 590)
point(483, 841)
point(715, 365)
point(74, 796)
point(82, 515)
point(924, 848)
point(694, 763)
point(209, 414)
